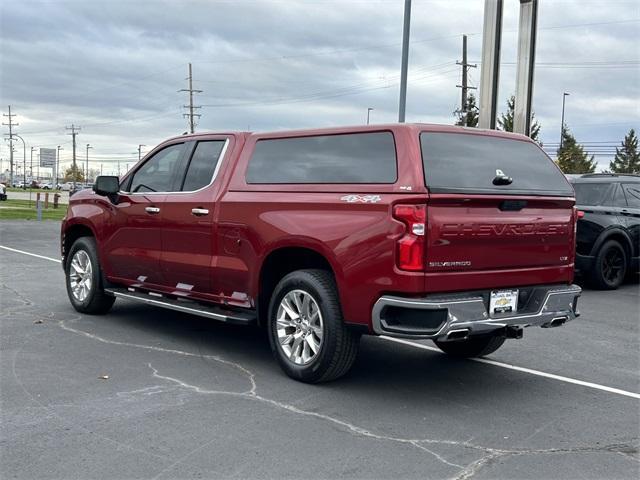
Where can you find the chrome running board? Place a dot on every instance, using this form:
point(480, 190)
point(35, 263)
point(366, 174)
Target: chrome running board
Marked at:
point(186, 306)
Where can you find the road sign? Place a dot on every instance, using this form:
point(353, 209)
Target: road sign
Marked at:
point(48, 157)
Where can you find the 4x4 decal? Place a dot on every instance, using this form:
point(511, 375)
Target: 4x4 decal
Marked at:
point(361, 198)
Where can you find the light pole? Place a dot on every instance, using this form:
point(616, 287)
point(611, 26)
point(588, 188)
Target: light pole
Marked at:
point(86, 175)
point(564, 96)
point(140, 151)
point(55, 181)
point(368, 112)
point(405, 61)
point(31, 167)
point(24, 161)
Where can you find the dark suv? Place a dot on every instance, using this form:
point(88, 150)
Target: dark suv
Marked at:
point(608, 240)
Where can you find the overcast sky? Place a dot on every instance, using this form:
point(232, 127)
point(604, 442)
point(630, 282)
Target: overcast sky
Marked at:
point(115, 67)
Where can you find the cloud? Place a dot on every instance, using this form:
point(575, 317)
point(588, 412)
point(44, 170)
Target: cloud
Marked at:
point(116, 68)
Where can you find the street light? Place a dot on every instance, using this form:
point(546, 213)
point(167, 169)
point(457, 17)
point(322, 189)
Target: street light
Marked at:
point(31, 167)
point(24, 160)
point(564, 96)
point(86, 175)
point(368, 112)
point(55, 181)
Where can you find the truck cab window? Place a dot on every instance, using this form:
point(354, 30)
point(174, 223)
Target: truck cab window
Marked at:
point(158, 173)
point(203, 165)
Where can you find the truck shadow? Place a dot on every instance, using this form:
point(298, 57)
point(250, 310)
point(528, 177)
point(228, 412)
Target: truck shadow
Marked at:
point(383, 368)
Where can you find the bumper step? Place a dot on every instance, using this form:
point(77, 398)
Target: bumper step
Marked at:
point(221, 314)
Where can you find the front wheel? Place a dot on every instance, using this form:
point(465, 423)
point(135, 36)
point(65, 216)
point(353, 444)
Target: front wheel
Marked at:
point(84, 278)
point(472, 347)
point(306, 331)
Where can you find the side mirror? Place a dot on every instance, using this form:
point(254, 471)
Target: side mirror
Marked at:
point(106, 185)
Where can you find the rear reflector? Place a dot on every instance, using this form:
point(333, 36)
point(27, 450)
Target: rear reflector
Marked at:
point(411, 246)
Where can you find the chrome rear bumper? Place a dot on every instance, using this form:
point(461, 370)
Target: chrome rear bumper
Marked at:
point(456, 316)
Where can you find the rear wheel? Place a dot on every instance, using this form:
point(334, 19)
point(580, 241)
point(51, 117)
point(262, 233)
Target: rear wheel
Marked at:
point(84, 278)
point(472, 347)
point(306, 331)
point(610, 266)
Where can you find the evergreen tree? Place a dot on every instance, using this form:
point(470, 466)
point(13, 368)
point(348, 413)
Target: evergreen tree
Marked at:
point(505, 121)
point(627, 159)
point(572, 158)
point(468, 116)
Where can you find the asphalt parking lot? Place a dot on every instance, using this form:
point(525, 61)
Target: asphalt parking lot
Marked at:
point(189, 398)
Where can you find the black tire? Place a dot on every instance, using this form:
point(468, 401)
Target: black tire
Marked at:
point(472, 347)
point(96, 301)
point(339, 345)
point(609, 266)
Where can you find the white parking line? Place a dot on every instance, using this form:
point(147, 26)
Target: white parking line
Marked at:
point(486, 361)
point(530, 371)
point(30, 254)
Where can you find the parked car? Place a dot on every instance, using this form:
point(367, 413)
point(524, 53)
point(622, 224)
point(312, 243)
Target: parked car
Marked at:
point(608, 237)
point(66, 187)
point(3, 192)
point(462, 236)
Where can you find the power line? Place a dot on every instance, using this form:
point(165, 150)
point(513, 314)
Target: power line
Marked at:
point(361, 87)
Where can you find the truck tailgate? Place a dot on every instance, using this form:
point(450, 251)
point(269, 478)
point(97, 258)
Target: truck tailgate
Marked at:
point(493, 232)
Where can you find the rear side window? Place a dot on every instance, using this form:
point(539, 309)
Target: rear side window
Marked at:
point(595, 194)
point(349, 158)
point(202, 165)
point(618, 199)
point(632, 190)
point(467, 163)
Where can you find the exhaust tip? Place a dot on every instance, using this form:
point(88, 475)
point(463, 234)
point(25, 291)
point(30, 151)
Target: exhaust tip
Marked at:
point(556, 322)
point(461, 334)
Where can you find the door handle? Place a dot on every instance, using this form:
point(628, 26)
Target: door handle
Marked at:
point(199, 212)
point(152, 210)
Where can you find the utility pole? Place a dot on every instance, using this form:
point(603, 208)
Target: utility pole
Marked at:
point(405, 61)
point(191, 106)
point(86, 175)
point(140, 151)
point(465, 86)
point(368, 112)
point(73, 133)
point(10, 125)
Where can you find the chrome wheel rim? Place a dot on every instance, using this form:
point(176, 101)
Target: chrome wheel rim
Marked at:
point(299, 327)
point(80, 275)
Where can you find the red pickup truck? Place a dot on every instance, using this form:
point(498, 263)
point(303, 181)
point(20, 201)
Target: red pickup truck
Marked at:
point(462, 236)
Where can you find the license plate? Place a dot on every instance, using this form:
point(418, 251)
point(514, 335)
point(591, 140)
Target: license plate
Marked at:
point(503, 301)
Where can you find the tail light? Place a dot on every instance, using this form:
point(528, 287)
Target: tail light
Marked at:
point(411, 246)
point(580, 214)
